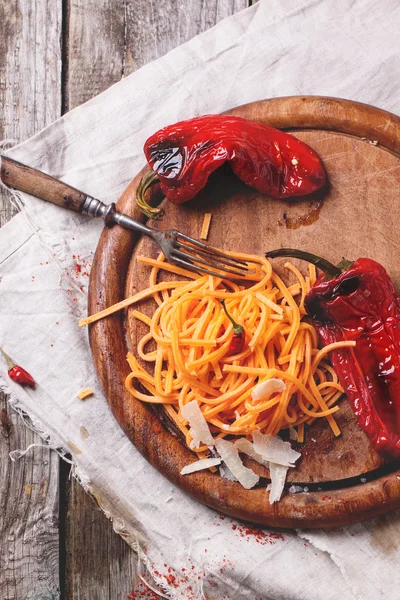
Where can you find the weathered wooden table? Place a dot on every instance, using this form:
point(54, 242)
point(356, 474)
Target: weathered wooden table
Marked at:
point(55, 55)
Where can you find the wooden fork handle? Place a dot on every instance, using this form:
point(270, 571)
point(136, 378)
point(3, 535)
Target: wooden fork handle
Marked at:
point(25, 179)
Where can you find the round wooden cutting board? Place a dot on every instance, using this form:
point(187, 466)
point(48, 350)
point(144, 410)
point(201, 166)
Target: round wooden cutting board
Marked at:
point(358, 214)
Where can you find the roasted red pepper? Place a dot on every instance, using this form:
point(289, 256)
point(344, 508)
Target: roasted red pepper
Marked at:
point(17, 373)
point(184, 155)
point(237, 342)
point(358, 302)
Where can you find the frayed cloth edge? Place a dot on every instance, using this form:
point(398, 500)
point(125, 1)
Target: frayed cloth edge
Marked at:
point(131, 537)
point(308, 536)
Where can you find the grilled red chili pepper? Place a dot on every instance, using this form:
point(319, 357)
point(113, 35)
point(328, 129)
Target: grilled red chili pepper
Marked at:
point(273, 162)
point(17, 373)
point(237, 342)
point(358, 302)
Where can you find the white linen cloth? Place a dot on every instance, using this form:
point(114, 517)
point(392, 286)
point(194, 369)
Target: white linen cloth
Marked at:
point(275, 48)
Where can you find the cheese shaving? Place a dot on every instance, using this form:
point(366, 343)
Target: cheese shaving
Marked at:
point(199, 465)
point(199, 429)
point(265, 389)
point(230, 455)
point(247, 447)
point(274, 449)
point(278, 478)
point(226, 473)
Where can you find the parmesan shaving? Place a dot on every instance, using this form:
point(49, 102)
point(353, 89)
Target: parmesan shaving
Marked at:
point(278, 478)
point(263, 390)
point(199, 430)
point(274, 449)
point(230, 455)
point(247, 447)
point(199, 465)
point(226, 473)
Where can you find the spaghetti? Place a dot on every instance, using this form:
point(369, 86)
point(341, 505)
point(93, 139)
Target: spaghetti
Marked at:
point(189, 360)
point(206, 226)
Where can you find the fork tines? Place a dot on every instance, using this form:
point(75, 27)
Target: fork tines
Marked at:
point(193, 254)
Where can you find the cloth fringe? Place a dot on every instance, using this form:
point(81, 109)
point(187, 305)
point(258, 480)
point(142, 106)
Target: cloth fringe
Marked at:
point(119, 526)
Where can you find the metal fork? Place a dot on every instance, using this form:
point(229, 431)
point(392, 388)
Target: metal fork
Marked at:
point(177, 247)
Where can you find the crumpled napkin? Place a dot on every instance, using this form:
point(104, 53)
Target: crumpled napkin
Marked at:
point(275, 48)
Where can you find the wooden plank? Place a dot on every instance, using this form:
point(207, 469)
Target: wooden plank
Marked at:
point(100, 565)
point(107, 41)
point(29, 99)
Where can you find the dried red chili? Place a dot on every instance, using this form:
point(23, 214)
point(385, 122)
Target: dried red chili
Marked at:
point(237, 342)
point(357, 301)
point(182, 157)
point(17, 373)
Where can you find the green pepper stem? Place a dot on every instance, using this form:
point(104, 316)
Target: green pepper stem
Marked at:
point(11, 364)
point(331, 271)
point(237, 329)
point(148, 180)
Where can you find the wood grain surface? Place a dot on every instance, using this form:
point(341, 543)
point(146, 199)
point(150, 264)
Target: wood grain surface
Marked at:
point(351, 223)
point(30, 99)
point(108, 40)
point(55, 55)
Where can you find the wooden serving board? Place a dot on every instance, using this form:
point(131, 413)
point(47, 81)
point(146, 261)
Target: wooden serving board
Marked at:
point(358, 214)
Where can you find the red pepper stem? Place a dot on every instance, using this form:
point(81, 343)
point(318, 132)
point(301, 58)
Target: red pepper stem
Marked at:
point(331, 271)
point(149, 179)
point(11, 364)
point(237, 329)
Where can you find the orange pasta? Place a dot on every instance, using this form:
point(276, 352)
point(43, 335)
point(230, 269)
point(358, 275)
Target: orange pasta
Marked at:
point(191, 334)
point(206, 226)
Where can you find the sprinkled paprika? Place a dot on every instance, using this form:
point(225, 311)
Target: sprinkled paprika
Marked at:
point(183, 156)
point(17, 373)
point(237, 342)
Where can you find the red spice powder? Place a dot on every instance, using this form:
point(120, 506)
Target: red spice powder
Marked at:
point(260, 536)
point(142, 592)
point(184, 580)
